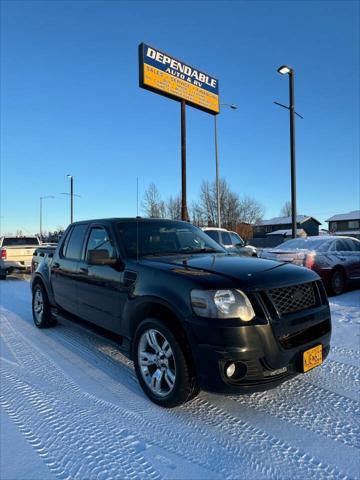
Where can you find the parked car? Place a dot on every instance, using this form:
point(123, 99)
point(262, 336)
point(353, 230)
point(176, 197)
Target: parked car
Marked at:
point(189, 315)
point(336, 259)
point(16, 254)
point(231, 241)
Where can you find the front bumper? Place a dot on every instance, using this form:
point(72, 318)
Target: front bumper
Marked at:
point(265, 354)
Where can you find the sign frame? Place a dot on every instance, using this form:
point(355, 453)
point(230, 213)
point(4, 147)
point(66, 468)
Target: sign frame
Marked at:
point(142, 84)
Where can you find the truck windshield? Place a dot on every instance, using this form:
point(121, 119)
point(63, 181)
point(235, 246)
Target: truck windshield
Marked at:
point(19, 241)
point(165, 238)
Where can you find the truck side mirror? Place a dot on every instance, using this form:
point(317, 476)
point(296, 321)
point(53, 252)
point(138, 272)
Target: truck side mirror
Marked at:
point(99, 257)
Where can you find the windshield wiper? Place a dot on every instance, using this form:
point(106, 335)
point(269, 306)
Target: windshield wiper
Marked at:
point(182, 251)
point(200, 250)
point(159, 254)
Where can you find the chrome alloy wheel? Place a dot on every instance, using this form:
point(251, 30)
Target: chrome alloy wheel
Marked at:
point(38, 305)
point(156, 362)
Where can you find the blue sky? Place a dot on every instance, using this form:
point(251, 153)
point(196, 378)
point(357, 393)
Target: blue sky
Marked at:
point(70, 103)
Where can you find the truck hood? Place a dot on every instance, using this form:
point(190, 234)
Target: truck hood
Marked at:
point(247, 272)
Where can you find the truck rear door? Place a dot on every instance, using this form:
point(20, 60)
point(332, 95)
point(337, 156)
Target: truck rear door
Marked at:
point(65, 269)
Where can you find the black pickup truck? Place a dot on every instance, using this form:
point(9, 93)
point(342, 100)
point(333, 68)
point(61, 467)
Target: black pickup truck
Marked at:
point(189, 315)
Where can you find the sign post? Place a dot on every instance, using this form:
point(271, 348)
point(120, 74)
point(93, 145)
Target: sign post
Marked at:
point(184, 212)
point(165, 75)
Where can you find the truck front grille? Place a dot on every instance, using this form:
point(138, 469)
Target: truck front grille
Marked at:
point(293, 299)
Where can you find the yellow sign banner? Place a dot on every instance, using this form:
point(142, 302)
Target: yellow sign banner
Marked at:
point(168, 76)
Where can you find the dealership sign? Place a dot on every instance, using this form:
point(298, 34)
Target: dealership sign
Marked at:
point(164, 74)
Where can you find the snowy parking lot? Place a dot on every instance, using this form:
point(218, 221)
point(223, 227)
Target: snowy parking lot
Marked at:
point(72, 409)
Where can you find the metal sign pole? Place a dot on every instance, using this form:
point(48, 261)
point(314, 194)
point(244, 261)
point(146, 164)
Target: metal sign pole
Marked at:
point(184, 212)
point(217, 175)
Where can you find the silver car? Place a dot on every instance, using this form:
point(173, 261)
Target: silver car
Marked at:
point(231, 241)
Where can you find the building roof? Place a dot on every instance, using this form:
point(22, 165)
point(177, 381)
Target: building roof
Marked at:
point(287, 232)
point(287, 220)
point(354, 215)
point(348, 232)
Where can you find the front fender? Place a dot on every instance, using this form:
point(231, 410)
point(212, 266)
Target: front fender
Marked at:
point(42, 274)
point(165, 299)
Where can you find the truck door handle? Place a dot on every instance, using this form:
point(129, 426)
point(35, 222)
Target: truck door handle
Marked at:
point(84, 270)
point(56, 265)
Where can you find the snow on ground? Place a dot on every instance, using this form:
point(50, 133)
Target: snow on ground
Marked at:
point(72, 409)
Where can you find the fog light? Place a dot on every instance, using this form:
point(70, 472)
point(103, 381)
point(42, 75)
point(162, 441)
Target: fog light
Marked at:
point(230, 369)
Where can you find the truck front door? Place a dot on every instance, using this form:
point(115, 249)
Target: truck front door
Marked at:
point(100, 287)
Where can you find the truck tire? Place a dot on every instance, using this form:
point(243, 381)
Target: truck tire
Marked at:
point(41, 307)
point(161, 365)
point(3, 274)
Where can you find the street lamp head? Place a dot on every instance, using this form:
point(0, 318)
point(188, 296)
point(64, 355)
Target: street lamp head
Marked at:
point(284, 69)
point(230, 105)
point(69, 176)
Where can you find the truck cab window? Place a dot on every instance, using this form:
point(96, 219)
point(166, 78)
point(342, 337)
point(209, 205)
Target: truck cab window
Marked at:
point(226, 239)
point(213, 234)
point(100, 240)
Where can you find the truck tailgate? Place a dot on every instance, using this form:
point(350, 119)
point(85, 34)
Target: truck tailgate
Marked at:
point(22, 254)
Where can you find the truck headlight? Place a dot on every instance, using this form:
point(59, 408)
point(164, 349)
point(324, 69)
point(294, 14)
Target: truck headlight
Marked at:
point(222, 304)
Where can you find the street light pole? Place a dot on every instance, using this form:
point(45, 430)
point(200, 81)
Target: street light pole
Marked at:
point(283, 70)
point(292, 153)
point(71, 198)
point(217, 180)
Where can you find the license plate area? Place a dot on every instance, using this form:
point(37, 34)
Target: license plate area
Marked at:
point(312, 358)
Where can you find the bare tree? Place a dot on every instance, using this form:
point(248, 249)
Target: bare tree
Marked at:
point(173, 208)
point(233, 210)
point(152, 204)
point(250, 210)
point(286, 209)
point(197, 215)
point(203, 213)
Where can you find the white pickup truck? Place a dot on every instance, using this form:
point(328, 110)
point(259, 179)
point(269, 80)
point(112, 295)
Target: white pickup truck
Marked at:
point(16, 254)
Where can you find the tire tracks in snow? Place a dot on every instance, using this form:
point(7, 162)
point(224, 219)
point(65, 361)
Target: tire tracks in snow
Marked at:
point(235, 438)
point(329, 415)
point(347, 377)
point(62, 423)
point(345, 352)
point(291, 403)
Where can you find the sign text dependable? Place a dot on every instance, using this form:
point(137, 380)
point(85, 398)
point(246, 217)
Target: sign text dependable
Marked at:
point(168, 76)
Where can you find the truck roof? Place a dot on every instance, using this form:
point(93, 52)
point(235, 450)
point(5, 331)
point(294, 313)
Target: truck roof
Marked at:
point(127, 219)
